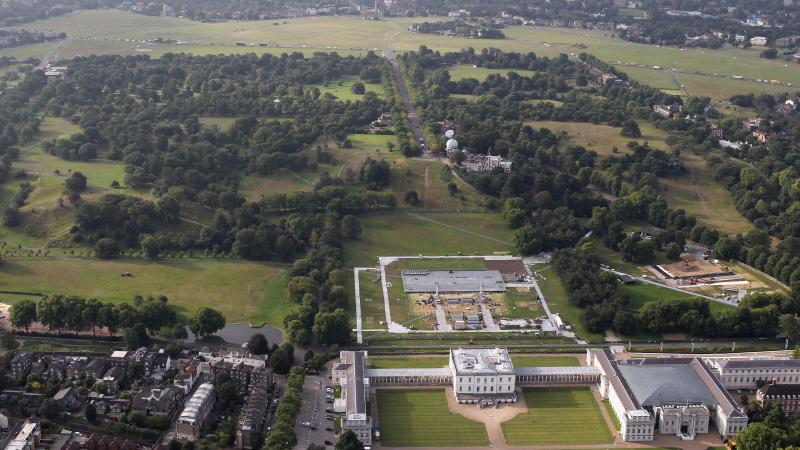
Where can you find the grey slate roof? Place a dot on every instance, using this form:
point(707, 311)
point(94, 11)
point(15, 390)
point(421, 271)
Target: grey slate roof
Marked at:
point(661, 384)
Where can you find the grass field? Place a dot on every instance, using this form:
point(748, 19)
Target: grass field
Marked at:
point(521, 304)
point(558, 302)
point(241, 291)
point(351, 35)
point(429, 179)
point(442, 264)
point(461, 71)
point(544, 361)
point(558, 416)
point(372, 307)
point(610, 411)
point(699, 194)
point(601, 138)
point(420, 418)
point(642, 293)
point(408, 362)
point(341, 89)
point(405, 234)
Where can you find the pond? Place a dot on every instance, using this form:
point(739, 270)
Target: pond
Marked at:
point(239, 333)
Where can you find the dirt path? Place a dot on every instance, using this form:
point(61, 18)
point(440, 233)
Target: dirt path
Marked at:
point(427, 183)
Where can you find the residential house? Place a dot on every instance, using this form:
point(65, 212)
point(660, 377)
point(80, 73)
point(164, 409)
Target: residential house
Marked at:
point(10, 397)
point(21, 364)
point(244, 369)
point(111, 408)
point(113, 379)
point(77, 367)
point(751, 125)
point(96, 368)
point(69, 398)
point(716, 131)
point(194, 413)
point(120, 358)
point(667, 111)
point(253, 416)
point(28, 437)
point(787, 396)
point(188, 374)
point(151, 400)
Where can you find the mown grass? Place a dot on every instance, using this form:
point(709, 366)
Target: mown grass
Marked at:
point(641, 293)
point(408, 362)
point(603, 138)
point(420, 418)
point(241, 291)
point(521, 304)
point(544, 361)
point(372, 306)
point(558, 302)
point(558, 416)
point(403, 234)
point(342, 89)
point(461, 71)
point(442, 264)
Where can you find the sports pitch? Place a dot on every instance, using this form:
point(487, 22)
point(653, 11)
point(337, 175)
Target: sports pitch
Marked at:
point(421, 418)
point(558, 416)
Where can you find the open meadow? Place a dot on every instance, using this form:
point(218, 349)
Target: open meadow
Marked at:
point(461, 71)
point(241, 291)
point(603, 138)
point(420, 418)
point(348, 35)
point(558, 416)
point(404, 234)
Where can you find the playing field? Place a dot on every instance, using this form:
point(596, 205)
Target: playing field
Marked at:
point(420, 418)
point(429, 234)
point(241, 291)
point(602, 138)
point(558, 416)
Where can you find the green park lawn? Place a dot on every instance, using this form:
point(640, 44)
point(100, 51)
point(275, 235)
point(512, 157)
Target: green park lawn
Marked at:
point(558, 302)
point(441, 264)
point(461, 71)
point(372, 306)
point(641, 293)
point(408, 362)
point(241, 291)
point(521, 304)
point(420, 418)
point(602, 138)
point(403, 234)
point(341, 89)
point(521, 360)
point(558, 416)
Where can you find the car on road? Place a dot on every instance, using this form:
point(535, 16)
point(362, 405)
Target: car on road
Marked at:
point(329, 417)
point(329, 429)
point(306, 424)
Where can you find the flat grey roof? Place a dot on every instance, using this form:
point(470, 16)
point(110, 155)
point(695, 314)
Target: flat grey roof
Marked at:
point(481, 361)
point(581, 370)
point(760, 363)
point(659, 384)
point(452, 281)
point(356, 394)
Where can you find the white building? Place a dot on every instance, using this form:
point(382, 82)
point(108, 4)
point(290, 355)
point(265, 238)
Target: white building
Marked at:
point(682, 394)
point(758, 40)
point(195, 412)
point(350, 375)
point(745, 373)
point(28, 437)
point(3, 422)
point(482, 375)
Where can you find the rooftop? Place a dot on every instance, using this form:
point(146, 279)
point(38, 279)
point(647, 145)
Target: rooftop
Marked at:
point(429, 281)
point(191, 411)
point(659, 384)
point(481, 361)
point(760, 363)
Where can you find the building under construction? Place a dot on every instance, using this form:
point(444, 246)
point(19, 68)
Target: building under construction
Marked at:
point(452, 281)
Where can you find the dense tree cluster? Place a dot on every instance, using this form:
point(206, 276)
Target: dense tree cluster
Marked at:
point(480, 30)
point(15, 38)
point(282, 436)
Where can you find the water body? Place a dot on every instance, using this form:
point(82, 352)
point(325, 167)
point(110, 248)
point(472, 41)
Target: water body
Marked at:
point(238, 333)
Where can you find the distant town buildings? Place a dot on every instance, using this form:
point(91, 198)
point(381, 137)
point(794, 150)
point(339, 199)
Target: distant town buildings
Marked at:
point(28, 437)
point(667, 111)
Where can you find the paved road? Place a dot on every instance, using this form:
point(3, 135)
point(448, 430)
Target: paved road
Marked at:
point(50, 55)
point(413, 120)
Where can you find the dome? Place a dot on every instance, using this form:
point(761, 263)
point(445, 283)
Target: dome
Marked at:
point(452, 144)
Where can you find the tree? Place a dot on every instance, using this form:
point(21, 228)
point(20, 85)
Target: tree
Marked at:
point(258, 345)
point(332, 327)
point(49, 409)
point(91, 413)
point(630, 129)
point(789, 325)
point(358, 88)
point(106, 248)
point(411, 197)
point(23, 314)
point(136, 336)
point(351, 227)
point(673, 251)
point(180, 333)
point(280, 361)
point(150, 247)
point(76, 182)
point(206, 321)
point(759, 436)
point(349, 441)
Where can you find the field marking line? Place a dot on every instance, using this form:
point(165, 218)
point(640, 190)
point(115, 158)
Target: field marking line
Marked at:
point(388, 312)
point(453, 227)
